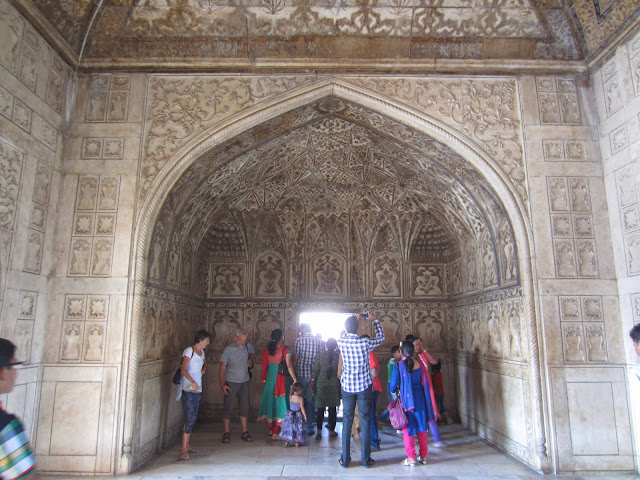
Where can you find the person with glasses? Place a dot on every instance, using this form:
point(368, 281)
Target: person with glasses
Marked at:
point(17, 460)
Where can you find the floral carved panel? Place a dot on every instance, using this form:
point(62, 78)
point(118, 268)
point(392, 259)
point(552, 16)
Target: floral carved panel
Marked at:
point(182, 107)
point(227, 280)
point(387, 276)
point(328, 276)
point(486, 111)
point(427, 281)
point(430, 325)
point(270, 276)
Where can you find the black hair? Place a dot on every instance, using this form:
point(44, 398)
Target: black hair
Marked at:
point(436, 367)
point(635, 333)
point(296, 388)
point(201, 335)
point(410, 338)
point(7, 352)
point(394, 349)
point(407, 350)
point(276, 335)
point(351, 324)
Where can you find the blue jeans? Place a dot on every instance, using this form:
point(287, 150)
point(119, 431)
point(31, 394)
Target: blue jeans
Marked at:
point(307, 394)
point(190, 407)
point(349, 400)
point(373, 421)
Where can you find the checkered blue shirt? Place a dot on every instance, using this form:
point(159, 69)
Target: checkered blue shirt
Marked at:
point(356, 372)
point(307, 347)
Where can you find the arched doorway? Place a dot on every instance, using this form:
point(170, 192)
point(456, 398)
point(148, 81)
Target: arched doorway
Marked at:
point(341, 202)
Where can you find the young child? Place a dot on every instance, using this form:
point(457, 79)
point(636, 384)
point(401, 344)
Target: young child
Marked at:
point(436, 378)
point(295, 419)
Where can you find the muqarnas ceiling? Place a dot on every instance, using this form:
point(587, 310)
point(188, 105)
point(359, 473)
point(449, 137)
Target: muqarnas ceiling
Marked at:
point(333, 176)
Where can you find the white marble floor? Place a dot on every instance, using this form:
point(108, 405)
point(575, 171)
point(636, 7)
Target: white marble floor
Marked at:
point(465, 456)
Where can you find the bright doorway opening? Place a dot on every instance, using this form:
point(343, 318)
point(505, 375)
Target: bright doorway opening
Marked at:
point(325, 324)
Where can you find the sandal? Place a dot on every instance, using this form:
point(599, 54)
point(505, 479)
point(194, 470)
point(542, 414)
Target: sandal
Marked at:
point(407, 463)
point(183, 455)
point(370, 463)
point(286, 444)
point(193, 450)
point(246, 436)
point(343, 465)
point(226, 437)
point(297, 444)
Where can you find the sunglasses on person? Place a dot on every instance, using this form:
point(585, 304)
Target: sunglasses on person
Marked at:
point(12, 364)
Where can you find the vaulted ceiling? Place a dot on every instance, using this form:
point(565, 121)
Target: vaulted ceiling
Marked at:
point(336, 173)
point(244, 34)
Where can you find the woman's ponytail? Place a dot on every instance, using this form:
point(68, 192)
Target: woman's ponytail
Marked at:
point(276, 335)
point(407, 351)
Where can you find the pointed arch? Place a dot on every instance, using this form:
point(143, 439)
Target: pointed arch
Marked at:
point(506, 191)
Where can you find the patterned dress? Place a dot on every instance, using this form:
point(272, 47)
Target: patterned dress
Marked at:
point(293, 427)
point(273, 403)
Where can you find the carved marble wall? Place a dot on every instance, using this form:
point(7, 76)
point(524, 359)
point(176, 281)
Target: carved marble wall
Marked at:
point(176, 206)
point(32, 96)
point(169, 322)
point(616, 88)
point(571, 215)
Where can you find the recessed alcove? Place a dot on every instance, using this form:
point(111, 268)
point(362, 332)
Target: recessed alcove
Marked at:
point(335, 206)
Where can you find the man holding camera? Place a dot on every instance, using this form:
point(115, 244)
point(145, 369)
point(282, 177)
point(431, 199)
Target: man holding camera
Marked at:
point(356, 384)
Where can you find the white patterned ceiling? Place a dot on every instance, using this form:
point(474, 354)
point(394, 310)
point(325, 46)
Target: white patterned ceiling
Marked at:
point(331, 174)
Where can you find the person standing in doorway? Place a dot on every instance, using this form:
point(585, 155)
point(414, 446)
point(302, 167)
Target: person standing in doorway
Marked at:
point(326, 384)
point(234, 383)
point(17, 460)
point(193, 367)
point(305, 350)
point(356, 384)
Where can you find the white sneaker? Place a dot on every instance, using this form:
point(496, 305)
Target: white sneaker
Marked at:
point(419, 460)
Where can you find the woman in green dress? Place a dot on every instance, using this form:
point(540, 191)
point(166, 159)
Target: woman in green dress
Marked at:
point(274, 396)
point(324, 379)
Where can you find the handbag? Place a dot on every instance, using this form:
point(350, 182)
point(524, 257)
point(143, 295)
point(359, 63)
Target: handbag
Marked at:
point(282, 367)
point(397, 415)
point(177, 376)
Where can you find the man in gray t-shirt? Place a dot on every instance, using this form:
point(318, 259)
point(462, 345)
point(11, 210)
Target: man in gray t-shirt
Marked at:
point(234, 382)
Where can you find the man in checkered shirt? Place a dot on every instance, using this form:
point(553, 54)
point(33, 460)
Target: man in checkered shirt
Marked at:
point(305, 350)
point(356, 384)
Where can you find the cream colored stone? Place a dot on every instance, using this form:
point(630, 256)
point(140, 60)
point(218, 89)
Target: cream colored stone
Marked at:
point(593, 429)
point(75, 419)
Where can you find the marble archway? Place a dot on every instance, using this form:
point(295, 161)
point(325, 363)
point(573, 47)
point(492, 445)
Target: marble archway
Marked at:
point(441, 170)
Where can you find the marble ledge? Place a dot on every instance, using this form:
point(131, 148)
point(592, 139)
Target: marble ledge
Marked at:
point(560, 132)
point(88, 285)
point(124, 166)
point(106, 129)
point(562, 169)
point(577, 286)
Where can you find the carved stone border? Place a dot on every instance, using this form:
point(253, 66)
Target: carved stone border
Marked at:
point(254, 116)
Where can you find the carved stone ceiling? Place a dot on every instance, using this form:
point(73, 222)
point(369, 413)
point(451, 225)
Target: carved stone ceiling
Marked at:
point(236, 34)
point(336, 167)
